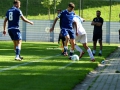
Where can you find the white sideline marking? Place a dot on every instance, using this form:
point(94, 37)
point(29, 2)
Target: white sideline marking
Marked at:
point(15, 66)
point(67, 65)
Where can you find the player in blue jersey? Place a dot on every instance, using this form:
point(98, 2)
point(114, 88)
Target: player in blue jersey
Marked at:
point(12, 17)
point(66, 19)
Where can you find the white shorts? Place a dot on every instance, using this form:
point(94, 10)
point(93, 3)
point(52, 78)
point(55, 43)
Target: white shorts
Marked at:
point(81, 38)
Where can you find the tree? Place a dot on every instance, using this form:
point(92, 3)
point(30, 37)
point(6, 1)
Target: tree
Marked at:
point(50, 4)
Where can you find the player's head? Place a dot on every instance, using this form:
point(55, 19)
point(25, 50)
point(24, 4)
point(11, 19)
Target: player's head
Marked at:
point(98, 13)
point(58, 11)
point(16, 3)
point(71, 6)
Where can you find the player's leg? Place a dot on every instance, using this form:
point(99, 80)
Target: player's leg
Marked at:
point(94, 43)
point(83, 40)
point(100, 42)
point(59, 39)
point(66, 45)
point(60, 43)
point(63, 43)
point(13, 34)
point(77, 47)
point(18, 43)
point(18, 49)
point(89, 51)
point(65, 34)
point(72, 41)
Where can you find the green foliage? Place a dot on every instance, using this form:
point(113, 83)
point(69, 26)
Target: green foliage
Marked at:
point(36, 10)
point(50, 3)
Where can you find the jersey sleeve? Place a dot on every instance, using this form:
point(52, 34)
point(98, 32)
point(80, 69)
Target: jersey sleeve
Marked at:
point(101, 20)
point(93, 19)
point(20, 12)
point(81, 20)
point(60, 14)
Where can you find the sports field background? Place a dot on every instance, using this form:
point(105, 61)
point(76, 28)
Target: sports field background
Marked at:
point(43, 68)
point(34, 9)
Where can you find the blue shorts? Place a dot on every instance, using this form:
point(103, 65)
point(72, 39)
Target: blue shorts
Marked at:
point(69, 32)
point(15, 34)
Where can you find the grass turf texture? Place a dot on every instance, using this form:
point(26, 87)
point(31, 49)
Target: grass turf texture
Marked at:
point(37, 73)
point(36, 11)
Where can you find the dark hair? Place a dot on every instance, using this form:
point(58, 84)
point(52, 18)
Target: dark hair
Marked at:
point(98, 11)
point(16, 1)
point(59, 10)
point(72, 5)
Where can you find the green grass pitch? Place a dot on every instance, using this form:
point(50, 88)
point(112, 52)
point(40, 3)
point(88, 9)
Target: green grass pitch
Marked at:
point(43, 68)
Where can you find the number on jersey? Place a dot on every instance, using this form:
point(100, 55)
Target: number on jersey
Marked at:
point(10, 16)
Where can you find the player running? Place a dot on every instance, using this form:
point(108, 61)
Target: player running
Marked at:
point(66, 17)
point(82, 37)
point(12, 16)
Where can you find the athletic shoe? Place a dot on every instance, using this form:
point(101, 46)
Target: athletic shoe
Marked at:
point(18, 59)
point(21, 57)
point(65, 54)
point(99, 54)
point(93, 60)
point(81, 54)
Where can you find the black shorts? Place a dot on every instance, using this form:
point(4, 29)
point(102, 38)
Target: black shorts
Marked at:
point(97, 37)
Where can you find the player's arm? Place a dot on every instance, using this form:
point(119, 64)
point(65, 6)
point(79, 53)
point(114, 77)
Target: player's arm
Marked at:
point(96, 23)
point(4, 26)
point(93, 23)
point(52, 28)
point(75, 25)
point(26, 20)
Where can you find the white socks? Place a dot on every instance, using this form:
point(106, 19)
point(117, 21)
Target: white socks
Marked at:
point(94, 51)
point(90, 53)
point(78, 48)
point(100, 51)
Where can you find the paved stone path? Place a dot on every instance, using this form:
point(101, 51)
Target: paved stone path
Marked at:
point(105, 76)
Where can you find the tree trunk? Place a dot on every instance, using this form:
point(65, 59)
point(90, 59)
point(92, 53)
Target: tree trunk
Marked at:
point(49, 13)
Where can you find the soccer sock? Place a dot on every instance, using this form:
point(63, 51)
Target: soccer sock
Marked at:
point(71, 52)
point(78, 48)
point(17, 51)
point(90, 53)
point(100, 51)
point(65, 48)
point(94, 51)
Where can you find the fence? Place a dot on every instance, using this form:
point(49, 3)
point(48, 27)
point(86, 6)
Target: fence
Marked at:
point(40, 31)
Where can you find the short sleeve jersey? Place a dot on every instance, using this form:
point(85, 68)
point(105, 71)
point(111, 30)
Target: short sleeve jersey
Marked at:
point(66, 19)
point(80, 28)
point(98, 29)
point(13, 16)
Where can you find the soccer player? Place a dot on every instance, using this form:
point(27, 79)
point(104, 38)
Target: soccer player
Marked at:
point(82, 37)
point(97, 32)
point(66, 17)
point(12, 16)
point(61, 38)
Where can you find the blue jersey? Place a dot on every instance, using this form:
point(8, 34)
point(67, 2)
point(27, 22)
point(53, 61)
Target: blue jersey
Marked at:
point(13, 16)
point(66, 19)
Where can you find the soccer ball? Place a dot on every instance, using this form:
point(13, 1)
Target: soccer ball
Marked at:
point(75, 57)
